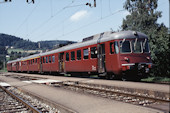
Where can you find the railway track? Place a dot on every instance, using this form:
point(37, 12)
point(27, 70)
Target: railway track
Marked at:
point(119, 95)
point(142, 98)
point(112, 93)
point(12, 103)
point(13, 100)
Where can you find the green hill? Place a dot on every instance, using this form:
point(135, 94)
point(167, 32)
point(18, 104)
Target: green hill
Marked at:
point(16, 42)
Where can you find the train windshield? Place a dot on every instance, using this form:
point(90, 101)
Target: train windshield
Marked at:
point(125, 46)
point(135, 46)
point(139, 46)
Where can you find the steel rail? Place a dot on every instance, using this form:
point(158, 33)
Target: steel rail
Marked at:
point(121, 93)
point(29, 106)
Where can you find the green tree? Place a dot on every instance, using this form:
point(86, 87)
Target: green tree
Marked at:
point(143, 17)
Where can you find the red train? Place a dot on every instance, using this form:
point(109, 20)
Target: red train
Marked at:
point(123, 54)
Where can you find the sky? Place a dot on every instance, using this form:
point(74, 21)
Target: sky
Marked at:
point(65, 19)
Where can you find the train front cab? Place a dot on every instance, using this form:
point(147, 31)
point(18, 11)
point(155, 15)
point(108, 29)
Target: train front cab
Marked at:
point(131, 58)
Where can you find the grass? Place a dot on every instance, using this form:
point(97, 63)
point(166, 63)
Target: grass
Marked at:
point(156, 79)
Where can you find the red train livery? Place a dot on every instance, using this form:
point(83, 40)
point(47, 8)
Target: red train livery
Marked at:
point(123, 54)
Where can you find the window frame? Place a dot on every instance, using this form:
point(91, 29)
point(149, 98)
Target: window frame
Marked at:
point(132, 44)
point(72, 55)
point(49, 59)
point(115, 51)
point(79, 57)
point(120, 50)
point(84, 57)
point(46, 59)
point(53, 58)
point(67, 56)
point(94, 52)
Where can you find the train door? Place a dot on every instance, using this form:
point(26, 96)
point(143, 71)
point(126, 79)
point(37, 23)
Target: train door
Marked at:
point(101, 58)
point(61, 62)
point(41, 61)
point(17, 66)
point(11, 66)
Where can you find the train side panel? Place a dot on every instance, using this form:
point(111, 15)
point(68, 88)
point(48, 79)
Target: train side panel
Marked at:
point(112, 59)
point(85, 63)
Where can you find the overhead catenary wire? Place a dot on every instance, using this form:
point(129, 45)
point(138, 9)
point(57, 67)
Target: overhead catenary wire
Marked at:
point(91, 23)
point(46, 21)
point(101, 9)
point(29, 15)
point(56, 25)
point(51, 5)
point(77, 29)
point(75, 6)
point(110, 7)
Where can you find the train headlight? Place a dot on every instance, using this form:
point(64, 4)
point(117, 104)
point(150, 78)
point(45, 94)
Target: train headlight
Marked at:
point(148, 58)
point(126, 59)
point(149, 65)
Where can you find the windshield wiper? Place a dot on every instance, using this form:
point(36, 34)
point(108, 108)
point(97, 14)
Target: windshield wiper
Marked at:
point(122, 42)
point(135, 43)
point(144, 43)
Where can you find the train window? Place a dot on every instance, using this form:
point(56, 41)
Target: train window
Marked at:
point(46, 59)
point(31, 61)
point(67, 56)
point(85, 53)
point(125, 47)
point(43, 59)
point(72, 55)
point(78, 54)
point(114, 49)
point(35, 60)
point(93, 52)
point(53, 58)
point(136, 46)
point(49, 59)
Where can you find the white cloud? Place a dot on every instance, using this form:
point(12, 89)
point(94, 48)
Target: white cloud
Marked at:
point(78, 15)
point(126, 13)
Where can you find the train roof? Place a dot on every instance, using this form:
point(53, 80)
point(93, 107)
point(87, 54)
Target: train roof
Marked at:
point(95, 39)
point(98, 38)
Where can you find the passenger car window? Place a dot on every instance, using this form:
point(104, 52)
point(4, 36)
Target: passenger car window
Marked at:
point(53, 58)
point(49, 59)
point(85, 53)
point(67, 56)
point(78, 54)
point(72, 55)
point(43, 59)
point(93, 52)
point(46, 59)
